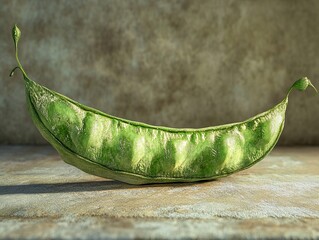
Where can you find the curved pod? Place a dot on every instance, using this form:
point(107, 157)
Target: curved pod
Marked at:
point(138, 153)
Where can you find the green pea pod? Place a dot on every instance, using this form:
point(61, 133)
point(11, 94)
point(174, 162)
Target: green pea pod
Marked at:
point(138, 153)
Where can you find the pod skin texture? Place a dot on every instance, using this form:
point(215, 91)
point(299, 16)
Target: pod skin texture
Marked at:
point(138, 153)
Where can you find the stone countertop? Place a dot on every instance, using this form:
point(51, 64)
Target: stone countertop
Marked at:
point(41, 197)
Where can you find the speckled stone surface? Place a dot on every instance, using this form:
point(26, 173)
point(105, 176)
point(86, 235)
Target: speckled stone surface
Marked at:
point(42, 197)
point(174, 63)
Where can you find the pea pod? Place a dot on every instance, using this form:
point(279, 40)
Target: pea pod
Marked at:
point(138, 153)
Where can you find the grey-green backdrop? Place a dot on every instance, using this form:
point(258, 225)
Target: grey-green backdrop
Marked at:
point(173, 63)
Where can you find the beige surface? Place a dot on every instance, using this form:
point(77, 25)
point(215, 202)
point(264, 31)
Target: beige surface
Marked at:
point(41, 196)
point(174, 63)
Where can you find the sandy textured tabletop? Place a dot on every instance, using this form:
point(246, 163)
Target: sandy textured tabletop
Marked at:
point(42, 197)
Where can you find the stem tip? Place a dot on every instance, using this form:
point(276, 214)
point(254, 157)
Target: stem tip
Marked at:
point(16, 34)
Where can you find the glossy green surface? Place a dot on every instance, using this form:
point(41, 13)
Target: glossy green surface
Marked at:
point(139, 153)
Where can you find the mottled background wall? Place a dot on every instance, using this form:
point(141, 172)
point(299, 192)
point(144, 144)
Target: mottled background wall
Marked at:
point(174, 63)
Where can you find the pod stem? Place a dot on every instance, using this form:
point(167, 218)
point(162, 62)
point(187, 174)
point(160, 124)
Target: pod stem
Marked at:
point(16, 34)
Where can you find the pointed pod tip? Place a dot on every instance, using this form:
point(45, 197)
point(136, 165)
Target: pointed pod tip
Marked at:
point(302, 84)
point(313, 87)
point(310, 84)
